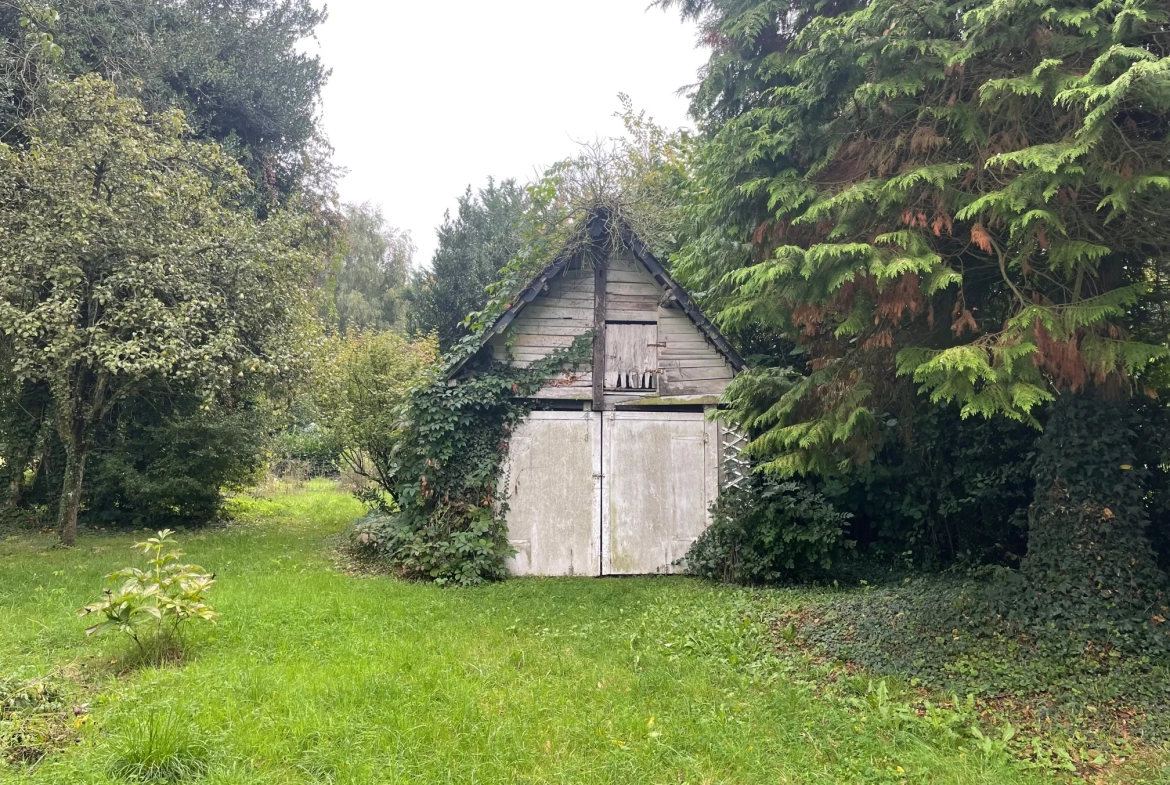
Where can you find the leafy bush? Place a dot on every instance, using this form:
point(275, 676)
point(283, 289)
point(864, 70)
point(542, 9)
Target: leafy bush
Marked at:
point(770, 532)
point(448, 546)
point(941, 490)
point(163, 456)
point(151, 605)
point(166, 458)
point(360, 381)
point(1151, 424)
point(308, 446)
point(28, 445)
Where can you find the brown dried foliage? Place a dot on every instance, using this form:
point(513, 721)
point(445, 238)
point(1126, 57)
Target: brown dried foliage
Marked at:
point(1062, 359)
point(895, 301)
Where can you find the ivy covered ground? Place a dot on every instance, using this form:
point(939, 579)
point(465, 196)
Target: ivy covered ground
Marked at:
point(319, 673)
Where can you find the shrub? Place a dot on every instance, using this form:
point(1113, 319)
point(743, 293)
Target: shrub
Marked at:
point(1152, 446)
point(167, 458)
point(151, 605)
point(162, 457)
point(770, 532)
point(26, 441)
point(450, 545)
point(940, 490)
point(304, 449)
point(360, 381)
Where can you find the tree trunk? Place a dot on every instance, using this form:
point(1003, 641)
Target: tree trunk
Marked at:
point(1091, 574)
point(71, 429)
point(80, 405)
point(15, 486)
point(71, 494)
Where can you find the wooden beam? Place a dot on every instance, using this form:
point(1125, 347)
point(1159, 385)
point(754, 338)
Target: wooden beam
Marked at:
point(599, 271)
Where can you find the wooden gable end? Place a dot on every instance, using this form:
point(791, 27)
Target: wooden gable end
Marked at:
point(644, 326)
point(560, 313)
point(690, 365)
point(652, 348)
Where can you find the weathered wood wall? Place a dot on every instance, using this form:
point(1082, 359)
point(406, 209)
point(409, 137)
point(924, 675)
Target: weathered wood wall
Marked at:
point(551, 322)
point(631, 294)
point(681, 358)
point(609, 493)
point(553, 476)
point(687, 363)
point(660, 475)
point(690, 364)
point(631, 357)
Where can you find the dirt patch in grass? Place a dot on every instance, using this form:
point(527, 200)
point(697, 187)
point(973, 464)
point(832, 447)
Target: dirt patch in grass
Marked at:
point(37, 717)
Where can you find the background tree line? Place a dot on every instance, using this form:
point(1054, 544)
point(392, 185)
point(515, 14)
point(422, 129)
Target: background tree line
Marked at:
point(165, 196)
point(174, 253)
point(183, 298)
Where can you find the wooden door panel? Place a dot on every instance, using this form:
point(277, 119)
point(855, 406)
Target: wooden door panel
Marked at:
point(661, 475)
point(554, 494)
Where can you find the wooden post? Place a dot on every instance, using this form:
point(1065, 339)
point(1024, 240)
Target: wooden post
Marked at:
point(599, 267)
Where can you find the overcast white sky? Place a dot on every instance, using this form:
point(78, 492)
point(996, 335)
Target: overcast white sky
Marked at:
point(429, 97)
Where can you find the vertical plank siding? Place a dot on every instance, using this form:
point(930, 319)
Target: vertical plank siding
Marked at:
point(552, 476)
point(660, 475)
point(631, 357)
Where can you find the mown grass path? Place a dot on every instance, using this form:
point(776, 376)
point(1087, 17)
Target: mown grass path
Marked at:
point(317, 676)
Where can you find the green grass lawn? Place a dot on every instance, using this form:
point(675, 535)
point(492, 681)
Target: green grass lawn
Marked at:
point(314, 675)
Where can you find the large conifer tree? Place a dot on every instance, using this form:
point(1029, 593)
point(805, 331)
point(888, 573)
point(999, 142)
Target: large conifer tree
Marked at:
point(480, 239)
point(964, 200)
point(974, 198)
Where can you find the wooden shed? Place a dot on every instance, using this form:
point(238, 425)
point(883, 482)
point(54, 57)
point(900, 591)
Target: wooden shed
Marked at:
point(615, 469)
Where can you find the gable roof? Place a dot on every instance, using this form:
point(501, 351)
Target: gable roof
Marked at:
point(597, 227)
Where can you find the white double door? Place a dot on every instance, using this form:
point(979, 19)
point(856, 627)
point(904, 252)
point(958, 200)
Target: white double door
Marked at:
point(609, 493)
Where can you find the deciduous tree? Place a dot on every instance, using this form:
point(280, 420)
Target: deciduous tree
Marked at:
point(235, 68)
point(368, 289)
point(125, 259)
point(360, 380)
